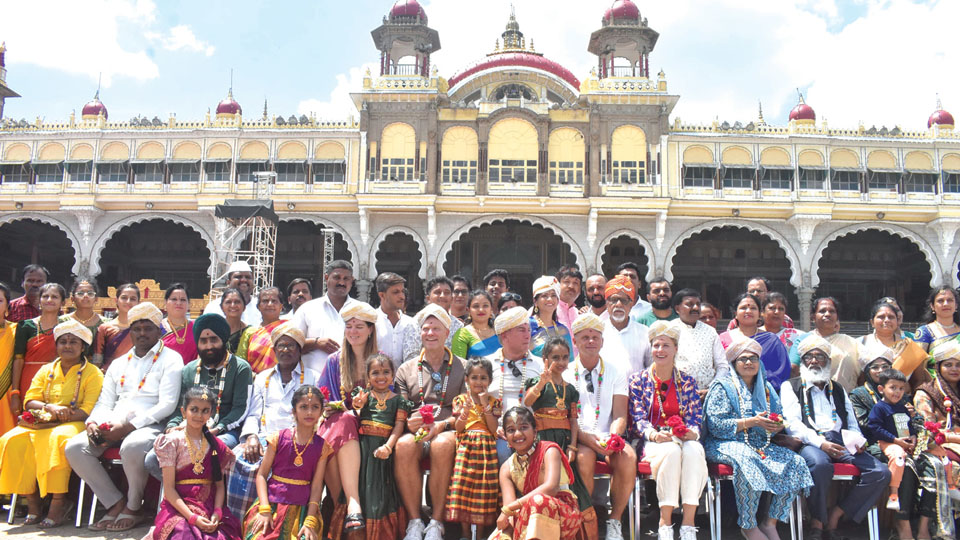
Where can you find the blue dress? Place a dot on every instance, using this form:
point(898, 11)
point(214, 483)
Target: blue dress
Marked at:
point(782, 472)
point(540, 335)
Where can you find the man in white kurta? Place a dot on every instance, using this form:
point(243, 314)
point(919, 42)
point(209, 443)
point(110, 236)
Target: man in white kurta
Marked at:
point(623, 338)
point(699, 352)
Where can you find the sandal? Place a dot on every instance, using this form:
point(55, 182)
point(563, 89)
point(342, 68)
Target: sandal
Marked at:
point(32, 519)
point(102, 525)
point(135, 520)
point(353, 522)
point(48, 523)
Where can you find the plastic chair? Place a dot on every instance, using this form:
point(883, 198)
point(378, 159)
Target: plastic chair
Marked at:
point(112, 457)
point(842, 472)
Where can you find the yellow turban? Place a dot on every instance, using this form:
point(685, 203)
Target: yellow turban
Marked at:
point(145, 311)
point(948, 350)
point(740, 347)
point(664, 328)
point(359, 310)
point(874, 352)
point(544, 284)
point(71, 326)
point(289, 330)
point(586, 321)
point(433, 310)
point(813, 341)
point(510, 319)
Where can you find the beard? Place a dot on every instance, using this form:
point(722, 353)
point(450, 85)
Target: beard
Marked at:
point(597, 301)
point(212, 357)
point(815, 375)
point(619, 315)
point(658, 304)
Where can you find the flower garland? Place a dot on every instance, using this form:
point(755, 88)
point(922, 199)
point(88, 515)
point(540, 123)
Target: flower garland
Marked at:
point(49, 382)
point(746, 408)
point(806, 404)
point(123, 377)
point(503, 375)
point(446, 376)
point(576, 378)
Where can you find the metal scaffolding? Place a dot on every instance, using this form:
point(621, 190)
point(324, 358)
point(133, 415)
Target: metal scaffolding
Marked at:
point(247, 231)
point(327, 252)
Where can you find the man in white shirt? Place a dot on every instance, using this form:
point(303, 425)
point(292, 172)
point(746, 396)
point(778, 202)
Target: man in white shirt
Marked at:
point(269, 410)
point(699, 353)
point(624, 340)
point(299, 292)
point(513, 364)
point(240, 277)
point(392, 322)
point(140, 390)
point(603, 397)
point(319, 319)
point(819, 413)
point(439, 292)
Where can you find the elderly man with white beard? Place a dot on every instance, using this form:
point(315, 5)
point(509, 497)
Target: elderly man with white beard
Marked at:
point(820, 414)
point(624, 340)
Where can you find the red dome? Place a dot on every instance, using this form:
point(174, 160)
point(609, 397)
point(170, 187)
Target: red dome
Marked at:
point(94, 108)
point(622, 9)
point(803, 112)
point(408, 8)
point(229, 106)
point(940, 118)
point(523, 59)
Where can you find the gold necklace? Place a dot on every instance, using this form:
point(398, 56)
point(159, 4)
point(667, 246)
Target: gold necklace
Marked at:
point(298, 461)
point(84, 322)
point(561, 399)
point(381, 401)
point(196, 454)
point(180, 339)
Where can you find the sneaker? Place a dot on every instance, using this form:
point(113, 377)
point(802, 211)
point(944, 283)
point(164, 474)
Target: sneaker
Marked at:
point(434, 531)
point(893, 503)
point(414, 530)
point(665, 532)
point(614, 530)
point(688, 533)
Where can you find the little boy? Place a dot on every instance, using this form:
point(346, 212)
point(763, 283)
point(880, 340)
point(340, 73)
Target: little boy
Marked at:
point(889, 423)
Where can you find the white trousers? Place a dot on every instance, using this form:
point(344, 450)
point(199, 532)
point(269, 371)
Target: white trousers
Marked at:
point(679, 471)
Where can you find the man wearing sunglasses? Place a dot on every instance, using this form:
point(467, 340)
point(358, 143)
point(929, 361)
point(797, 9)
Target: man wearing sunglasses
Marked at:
point(602, 385)
point(513, 364)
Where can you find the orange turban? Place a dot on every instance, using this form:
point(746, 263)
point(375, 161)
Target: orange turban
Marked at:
point(620, 284)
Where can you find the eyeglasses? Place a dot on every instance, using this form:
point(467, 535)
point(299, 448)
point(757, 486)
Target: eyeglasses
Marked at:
point(514, 370)
point(589, 378)
point(460, 292)
point(508, 297)
point(285, 347)
point(821, 358)
point(437, 379)
point(750, 359)
point(85, 293)
point(618, 300)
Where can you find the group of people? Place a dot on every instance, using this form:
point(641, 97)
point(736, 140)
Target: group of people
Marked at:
point(250, 415)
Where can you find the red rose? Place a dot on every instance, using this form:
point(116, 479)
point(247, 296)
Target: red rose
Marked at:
point(325, 392)
point(931, 426)
point(775, 417)
point(674, 421)
point(677, 426)
point(615, 443)
point(28, 417)
point(426, 413)
point(104, 427)
point(939, 438)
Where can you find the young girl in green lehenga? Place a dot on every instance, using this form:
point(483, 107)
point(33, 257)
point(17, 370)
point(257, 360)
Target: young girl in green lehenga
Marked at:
point(554, 403)
point(382, 415)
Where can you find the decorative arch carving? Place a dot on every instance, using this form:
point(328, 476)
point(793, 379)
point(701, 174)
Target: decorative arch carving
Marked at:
point(49, 220)
point(644, 243)
point(447, 245)
point(116, 226)
point(796, 270)
point(936, 272)
point(382, 236)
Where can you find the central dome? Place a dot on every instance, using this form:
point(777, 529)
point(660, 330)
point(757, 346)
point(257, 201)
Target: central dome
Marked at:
point(94, 108)
point(622, 9)
point(408, 8)
point(518, 59)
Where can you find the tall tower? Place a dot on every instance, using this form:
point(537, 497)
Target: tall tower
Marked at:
point(5, 91)
point(624, 42)
point(405, 41)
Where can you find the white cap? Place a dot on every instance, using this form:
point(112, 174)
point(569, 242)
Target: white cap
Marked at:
point(239, 266)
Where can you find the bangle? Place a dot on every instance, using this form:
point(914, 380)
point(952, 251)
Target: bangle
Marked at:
point(15, 391)
point(311, 522)
point(265, 509)
point(507, 511)
point(314, 502)
point(192, 520)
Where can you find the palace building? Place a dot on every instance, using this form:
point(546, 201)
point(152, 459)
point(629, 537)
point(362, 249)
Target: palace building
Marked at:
point(511, 162)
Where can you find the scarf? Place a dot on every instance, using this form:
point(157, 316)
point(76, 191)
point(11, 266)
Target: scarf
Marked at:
point(936, 396)
point(532, 480)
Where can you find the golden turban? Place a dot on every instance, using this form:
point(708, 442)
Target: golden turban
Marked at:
point(72, 326)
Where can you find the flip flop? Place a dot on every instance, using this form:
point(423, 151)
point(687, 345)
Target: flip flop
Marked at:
point(102, 524)
point(48, 523)
point(32, 519)
point(135, 520)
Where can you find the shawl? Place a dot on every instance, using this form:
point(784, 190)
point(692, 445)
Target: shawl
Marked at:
point(532, 481)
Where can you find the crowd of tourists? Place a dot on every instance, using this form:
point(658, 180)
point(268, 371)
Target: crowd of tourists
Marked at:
point(279, 415)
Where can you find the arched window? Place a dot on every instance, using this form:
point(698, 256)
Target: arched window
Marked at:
point(566, 154)
point(459, 154)
point(513, 152)
point(398, 149)
point(629, 155)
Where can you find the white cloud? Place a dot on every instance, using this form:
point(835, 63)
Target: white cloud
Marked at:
point(338, 106)
point(181, 37)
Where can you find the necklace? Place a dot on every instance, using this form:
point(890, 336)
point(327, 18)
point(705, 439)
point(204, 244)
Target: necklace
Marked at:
point(343, 390)
point(806, 404)
point(266, 388)
point(523, 460)
point(596, 394)
point(221, 381)
point(123, 377)
point(179, 338)
point(503, 375)
point(947, 405)
point(381, 400)
point(85, 322)
point(746, 409)
point(660, 394)
point(561, 399)
point(49, 382)
point(298, 461)
point(446, 376)
point(196, 454)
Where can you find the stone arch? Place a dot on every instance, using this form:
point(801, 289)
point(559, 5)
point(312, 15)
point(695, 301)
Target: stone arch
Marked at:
point(254, 150)
point(644, 243)
point(187, 150)
point(49, 220)
point(219, 150)
point(697, 154)
point(17, 152)
point(329, 150)
point(382, 236)
point(115, 151)
point(736, 155)
point(351, 245)
point(447, 245)
point(150, 150)
point(81, 151)
point(844, 158)
point(796, 270)
point(775, 156)
point(52, 151)
point(112, 229)
point(292, 150)
point(810, 158)
point(936, 272)
point(955, 271)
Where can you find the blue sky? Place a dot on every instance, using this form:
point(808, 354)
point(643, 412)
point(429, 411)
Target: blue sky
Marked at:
point(872, 61)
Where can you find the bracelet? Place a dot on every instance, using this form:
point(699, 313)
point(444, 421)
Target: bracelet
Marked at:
point(15, 391)
point(192, 520)
point(265, 509)
point(314, 502)
point(507, 511)
point(311, 522)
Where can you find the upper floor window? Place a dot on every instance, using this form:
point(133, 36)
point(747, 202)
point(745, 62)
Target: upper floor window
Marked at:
point(184, 172)
point(245, 171)
point(566, 172)
point(951, 182)
point(20, 173)
point(49, 172)
point(80, 172)
point(812, 178)
point(882, 181)
point(459, 171)
point(629, 172)
point(698, 177)
point(844, 180)
point(113, 172)
point(291, 172)
point(920, 183)
point(738, 177)
point(513, 170)
point(777, 179)
point(398, 170)
point(217, 171)
point(148, 173)
point(329, 173)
